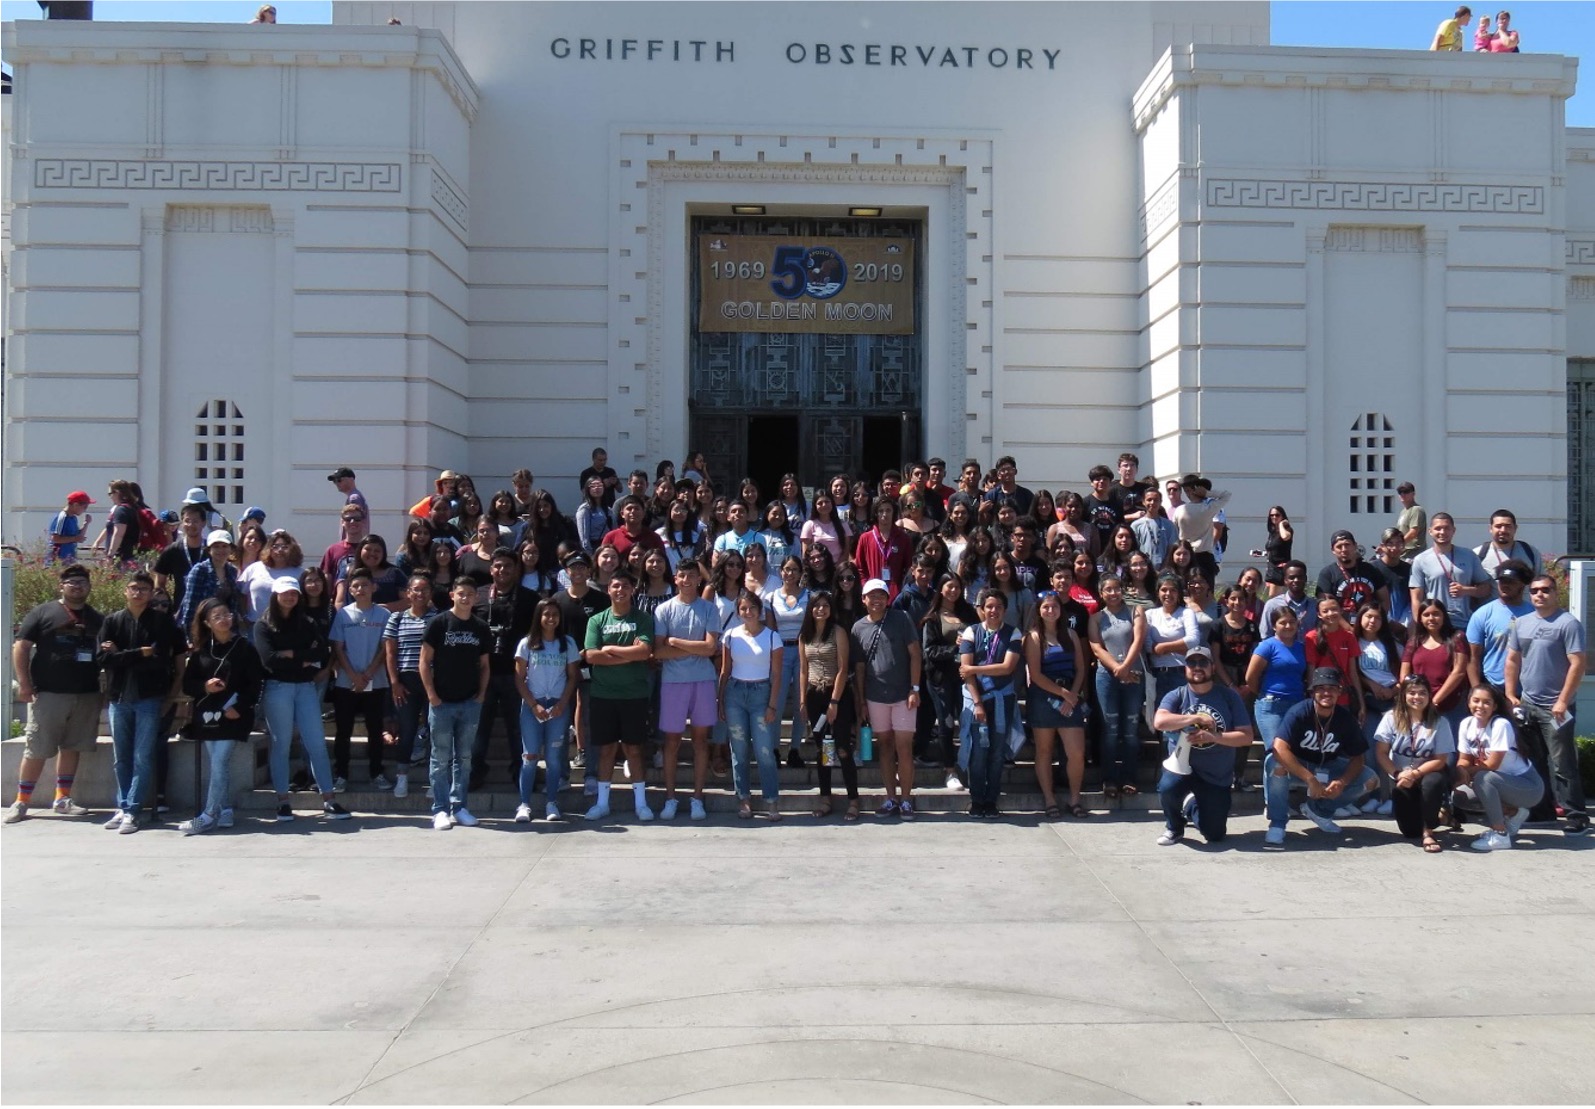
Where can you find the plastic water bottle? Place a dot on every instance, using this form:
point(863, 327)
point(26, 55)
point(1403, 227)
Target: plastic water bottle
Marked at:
point(866, 743)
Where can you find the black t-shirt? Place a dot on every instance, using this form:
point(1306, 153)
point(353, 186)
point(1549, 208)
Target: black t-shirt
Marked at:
point(175, 562)
point(457, 650)
point(1031, 572)
point(508, 618)
point(1021, 498)
point(66, 648)
point(1104, 515)
point(574, 613)
point(127, 516)
point(1235, 646)
point(1353, 585)
point(1128, 497)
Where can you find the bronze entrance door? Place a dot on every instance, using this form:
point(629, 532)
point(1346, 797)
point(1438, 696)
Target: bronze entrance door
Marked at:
point(813, 402)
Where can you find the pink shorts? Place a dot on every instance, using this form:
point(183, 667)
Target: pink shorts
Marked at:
point(894, 717)
point(683, 701)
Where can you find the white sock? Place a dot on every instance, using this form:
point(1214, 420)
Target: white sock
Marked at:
point(639, 790)
point(603, 794)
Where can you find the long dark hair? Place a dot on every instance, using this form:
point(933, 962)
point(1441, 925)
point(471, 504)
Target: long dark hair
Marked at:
point(1385, 636)
point(961, 607)
point(199, 633)
point(809, 632)
point(534, 636)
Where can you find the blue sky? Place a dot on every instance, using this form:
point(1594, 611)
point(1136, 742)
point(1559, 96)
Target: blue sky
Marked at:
point(1556, 26)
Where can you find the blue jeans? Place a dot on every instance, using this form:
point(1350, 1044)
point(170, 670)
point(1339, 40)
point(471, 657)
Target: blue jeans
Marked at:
point(1121, 723)
point(547, 738)
point(1276, 788)
point(1166, 679)
point(135, 726)
point(409, 715)
point(453, 726)
point(1269, 711)
point(1212, 804)
point(746, 704)
point(988, 747)
point(290, 704)
point(788, 695)
point(219, 794)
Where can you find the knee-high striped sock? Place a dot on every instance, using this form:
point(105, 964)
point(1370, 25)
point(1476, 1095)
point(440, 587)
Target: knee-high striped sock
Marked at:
point(63, 786)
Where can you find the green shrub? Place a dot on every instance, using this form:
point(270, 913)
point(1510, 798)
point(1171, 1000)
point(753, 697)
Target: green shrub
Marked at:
point(1586, 762)
point(33, 582)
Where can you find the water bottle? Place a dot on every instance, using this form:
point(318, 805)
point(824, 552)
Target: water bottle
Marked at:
point(822, 734)
point(866, 743)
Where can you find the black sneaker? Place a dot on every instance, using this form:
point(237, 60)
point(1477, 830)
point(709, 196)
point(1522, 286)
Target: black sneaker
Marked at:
point(794, 761)
point(1577, 825)
point(285, 813)
point(334, 811)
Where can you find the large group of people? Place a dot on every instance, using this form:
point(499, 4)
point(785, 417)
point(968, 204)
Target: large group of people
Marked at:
point(938, 628)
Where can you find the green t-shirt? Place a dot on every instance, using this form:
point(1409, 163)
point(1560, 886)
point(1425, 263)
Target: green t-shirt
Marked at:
point(605, 629)
point(1414, 517)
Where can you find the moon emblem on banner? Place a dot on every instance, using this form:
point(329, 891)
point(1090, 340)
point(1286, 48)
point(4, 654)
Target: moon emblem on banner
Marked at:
point(825, 273)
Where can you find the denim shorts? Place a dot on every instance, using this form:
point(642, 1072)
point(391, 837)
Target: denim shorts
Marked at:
point(1041, 711)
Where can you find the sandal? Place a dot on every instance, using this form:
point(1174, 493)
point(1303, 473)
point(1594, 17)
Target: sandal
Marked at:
point(772, 812)
point(852, 811)
point(1111, 792)
point(1431, 845)
point(744, 810)
point(823, 809)
point(1053, 812)
point(1079, 811)
point(1128, 790)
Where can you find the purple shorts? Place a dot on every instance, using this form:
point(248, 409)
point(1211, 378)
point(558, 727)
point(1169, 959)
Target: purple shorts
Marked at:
point(683, 701)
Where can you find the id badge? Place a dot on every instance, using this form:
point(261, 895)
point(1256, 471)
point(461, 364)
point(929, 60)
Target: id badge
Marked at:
point(886, 573)
point(1323, 777)
point(85, 655)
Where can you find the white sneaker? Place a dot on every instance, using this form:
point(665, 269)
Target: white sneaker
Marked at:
point(115, 822)
point(401, 785)
point(1346, 812)
point(1275, 837)
point(698, 812)
point(1386, 808)
point(441, 822)
point(340, 785)
point(954, 781)
point(552, 813)
point(668, 812)
point(201, 823)
point(463, 816)
point(226, 819)
point(597, 812)
point(523, 814)
point(1323, 822)
point(1371, 805)
point(1515, 822)
point(128, 826)
point(1169, 839)
point(644, 813)
point(1492, 841)
point(453, 820)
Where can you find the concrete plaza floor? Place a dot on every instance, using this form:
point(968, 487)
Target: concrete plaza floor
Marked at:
point(378, 961)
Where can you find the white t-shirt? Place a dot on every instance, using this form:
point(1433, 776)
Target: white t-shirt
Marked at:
point(1407, 751)
point(258, 578)
point(546, 669)
point(750, 654)
point(1472, 740)
point(788, 612)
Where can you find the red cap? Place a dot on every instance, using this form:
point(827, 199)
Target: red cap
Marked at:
point(79, 495)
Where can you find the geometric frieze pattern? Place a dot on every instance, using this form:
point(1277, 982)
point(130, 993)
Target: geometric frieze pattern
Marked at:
point(1580, 252)
point(1376, 196)
point(118, 173)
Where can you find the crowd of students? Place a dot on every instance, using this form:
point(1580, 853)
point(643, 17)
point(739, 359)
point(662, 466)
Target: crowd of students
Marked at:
point(941, 626)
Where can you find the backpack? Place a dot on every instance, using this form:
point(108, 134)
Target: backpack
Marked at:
point(152, 534)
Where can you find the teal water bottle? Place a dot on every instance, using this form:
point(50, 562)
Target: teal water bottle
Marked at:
point(866, 743)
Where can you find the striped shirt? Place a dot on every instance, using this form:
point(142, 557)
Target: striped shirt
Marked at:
point(407, 629)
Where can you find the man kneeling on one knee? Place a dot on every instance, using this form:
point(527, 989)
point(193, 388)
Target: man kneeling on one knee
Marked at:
point(1210, 720)
point(1321, 745)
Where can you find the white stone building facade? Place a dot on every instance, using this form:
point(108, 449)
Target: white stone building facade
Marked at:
point(242, 256)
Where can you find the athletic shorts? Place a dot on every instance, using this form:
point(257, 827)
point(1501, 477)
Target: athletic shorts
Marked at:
point(894, 717)
point(619, 721)
point(680, 702)
point(61, 722)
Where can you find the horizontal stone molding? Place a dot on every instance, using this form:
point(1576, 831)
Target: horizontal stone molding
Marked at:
point(213, 176)
point(1375, 196)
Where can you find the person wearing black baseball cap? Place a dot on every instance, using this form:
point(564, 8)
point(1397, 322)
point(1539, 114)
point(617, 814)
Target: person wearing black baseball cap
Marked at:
point(343, 478)
point(1320, 744)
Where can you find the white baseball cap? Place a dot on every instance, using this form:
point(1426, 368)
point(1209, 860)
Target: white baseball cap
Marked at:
point(876, 583)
